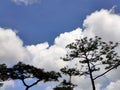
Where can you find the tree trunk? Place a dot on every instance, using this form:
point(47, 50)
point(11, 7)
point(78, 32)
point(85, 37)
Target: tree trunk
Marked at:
point(91, 76)
point(92, 81)
point(27, 88)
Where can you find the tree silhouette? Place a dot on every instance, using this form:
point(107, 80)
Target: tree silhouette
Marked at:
point(92, 54)
point(68, 85)
point(3, 74)
point(70, 72)
point(22, 72)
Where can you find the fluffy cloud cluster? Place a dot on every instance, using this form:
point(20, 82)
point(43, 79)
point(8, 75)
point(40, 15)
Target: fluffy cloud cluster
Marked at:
point(47, 56)
point(113, 86)
point(103, 23)
point(26, 2)
point(11, 47)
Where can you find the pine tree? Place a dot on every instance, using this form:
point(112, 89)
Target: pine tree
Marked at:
point(92, 54)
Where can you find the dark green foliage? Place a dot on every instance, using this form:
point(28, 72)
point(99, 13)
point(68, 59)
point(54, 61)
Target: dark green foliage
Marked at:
point(70, 71)
point(23, 71)
point(63, 88)
point(92, 53)
point(93, 50)
point(1, 84)
point(51, 76)
point(67, 85)
point(3, 74)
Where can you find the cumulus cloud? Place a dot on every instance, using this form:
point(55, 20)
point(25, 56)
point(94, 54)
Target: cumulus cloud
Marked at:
point(47, 56)
point(103, 23)
point(65, 38)
point(11, 47)
point(113, 86)
point(26, 2)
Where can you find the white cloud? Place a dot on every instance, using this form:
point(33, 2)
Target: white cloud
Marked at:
point(11, 47)
point(103, 23)
point(82, 82)
point(7, 84)
point(114, 75)
point(68, 37)
point(26, 2)
point(113, 86)
point(48, 57)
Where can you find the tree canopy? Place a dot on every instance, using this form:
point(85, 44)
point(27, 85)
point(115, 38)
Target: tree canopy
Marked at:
point(23, 71)
point(92, 54)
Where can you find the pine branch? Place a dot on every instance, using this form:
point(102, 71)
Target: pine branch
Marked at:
point(106, 71)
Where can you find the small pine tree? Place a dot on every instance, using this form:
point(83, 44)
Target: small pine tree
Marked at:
point(23, 71)
point(68, 85)
point(92, 53)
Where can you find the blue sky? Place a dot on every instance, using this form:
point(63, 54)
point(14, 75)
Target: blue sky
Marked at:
point(35, 31)
point(44, 21)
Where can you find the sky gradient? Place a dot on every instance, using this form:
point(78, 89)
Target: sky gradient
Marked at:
point(32, 31)
point(43, 21)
